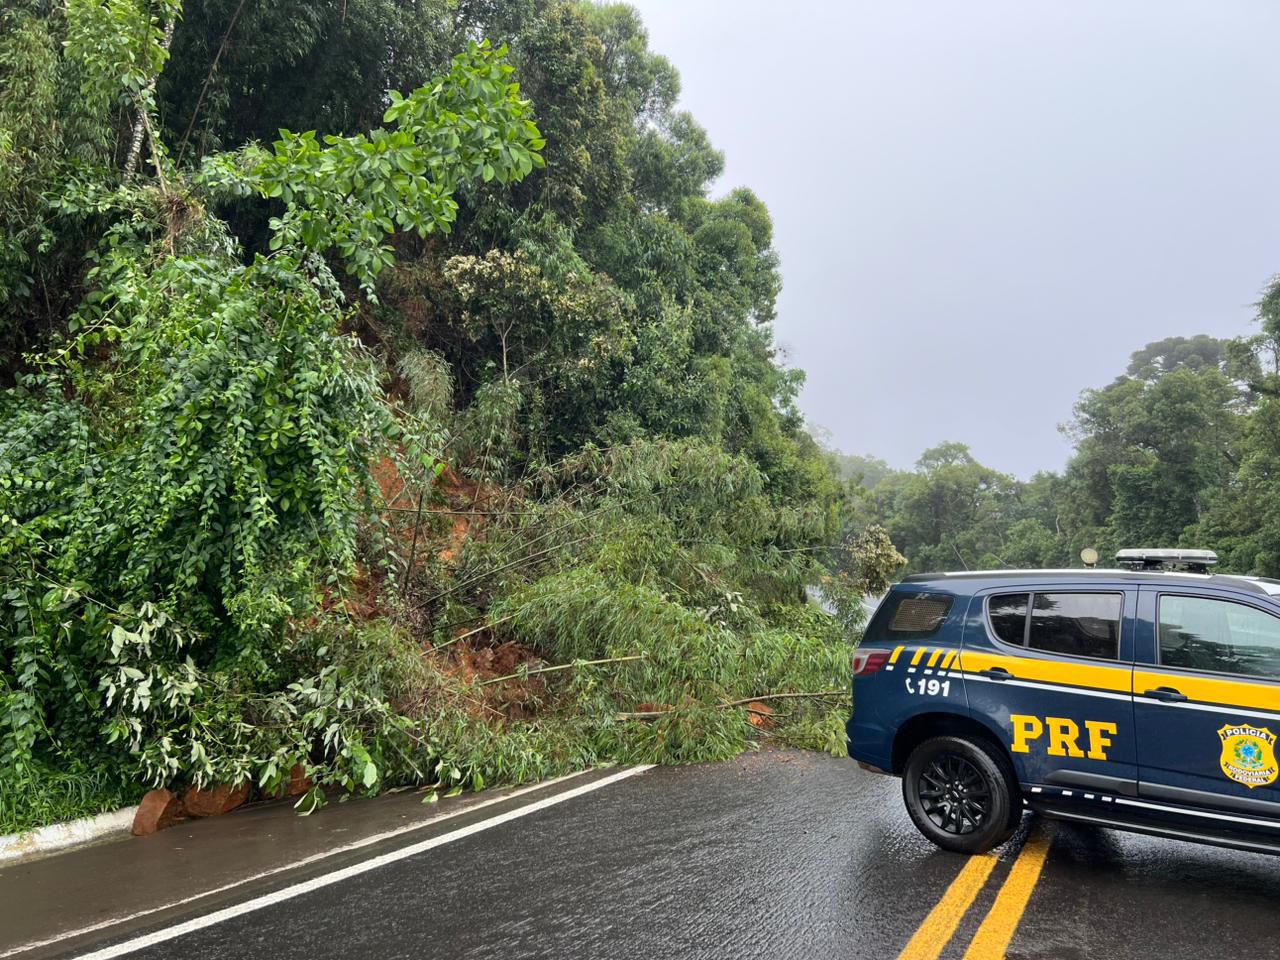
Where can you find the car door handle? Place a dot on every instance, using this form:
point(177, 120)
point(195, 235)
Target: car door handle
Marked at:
point(996, 673)
point(1166, 694)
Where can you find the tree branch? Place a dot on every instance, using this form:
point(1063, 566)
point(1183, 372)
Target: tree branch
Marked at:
point(143, 102)
point(813, 695)
point(472, 633)
point(562, 666)
point(213, 67)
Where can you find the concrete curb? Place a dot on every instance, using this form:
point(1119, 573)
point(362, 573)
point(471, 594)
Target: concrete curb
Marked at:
point(18, 846)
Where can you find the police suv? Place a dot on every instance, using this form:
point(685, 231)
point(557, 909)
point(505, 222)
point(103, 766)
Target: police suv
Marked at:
point(1145, 698)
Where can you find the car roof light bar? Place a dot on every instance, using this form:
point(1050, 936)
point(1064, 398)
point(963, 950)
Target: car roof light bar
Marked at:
point(1147, 558)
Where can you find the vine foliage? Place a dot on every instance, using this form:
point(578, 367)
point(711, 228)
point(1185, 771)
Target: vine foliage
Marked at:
point(184, 477)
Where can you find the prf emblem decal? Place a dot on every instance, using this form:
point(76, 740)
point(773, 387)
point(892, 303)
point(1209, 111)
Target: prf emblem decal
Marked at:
point(1248, 755)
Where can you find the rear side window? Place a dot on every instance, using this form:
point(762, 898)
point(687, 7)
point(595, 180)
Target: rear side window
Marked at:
point(918, 615)
point(1075, 624)
point(1009, 617)
point(1203, 634)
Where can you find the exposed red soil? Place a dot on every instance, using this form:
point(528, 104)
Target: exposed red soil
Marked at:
point(516, 698)
point(365, 598)
point(454, 512)
point(761, 715)
point(488, 663)
point(459, 533)
point(391, 484)
point(649, 707)
point(467, 502)
point(464, 507)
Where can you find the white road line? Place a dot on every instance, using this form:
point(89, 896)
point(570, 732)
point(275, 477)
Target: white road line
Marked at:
point(337, 876)
point(306, 861)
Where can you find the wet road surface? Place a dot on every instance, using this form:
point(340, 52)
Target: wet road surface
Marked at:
point(777, 854)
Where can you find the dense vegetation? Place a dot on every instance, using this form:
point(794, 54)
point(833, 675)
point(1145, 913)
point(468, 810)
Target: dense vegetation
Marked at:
point(439, 441)
point(1182, 449)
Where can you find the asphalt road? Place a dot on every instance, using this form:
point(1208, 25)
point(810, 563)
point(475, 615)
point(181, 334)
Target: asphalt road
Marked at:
point(777, 854)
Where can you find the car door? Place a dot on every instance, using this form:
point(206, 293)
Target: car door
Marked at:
point(1050, 668)
point(1207, 698)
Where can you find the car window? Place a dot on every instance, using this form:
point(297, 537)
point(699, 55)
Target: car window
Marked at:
point(1077, 624)
point(1008, 614)
point(1201, 633)
point(918, 615)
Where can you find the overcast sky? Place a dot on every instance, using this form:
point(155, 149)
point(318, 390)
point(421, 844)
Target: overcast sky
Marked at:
point(984, 207)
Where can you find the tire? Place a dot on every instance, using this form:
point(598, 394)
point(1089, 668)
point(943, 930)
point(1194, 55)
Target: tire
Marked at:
point(960, 796)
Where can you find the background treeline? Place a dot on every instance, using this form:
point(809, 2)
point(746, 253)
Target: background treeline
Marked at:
point(1182, 449)
point(441, 440)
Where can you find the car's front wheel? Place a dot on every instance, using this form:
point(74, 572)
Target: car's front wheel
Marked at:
point(958, 795)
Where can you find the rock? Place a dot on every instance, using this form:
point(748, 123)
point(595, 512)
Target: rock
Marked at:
point(159, 810)
point(213, 801)
point(299, 783)
point(761, 715)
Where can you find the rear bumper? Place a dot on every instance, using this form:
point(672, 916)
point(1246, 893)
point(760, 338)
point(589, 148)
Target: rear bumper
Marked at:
point(870, 744)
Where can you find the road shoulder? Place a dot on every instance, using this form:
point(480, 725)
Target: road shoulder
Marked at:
point(53, 906)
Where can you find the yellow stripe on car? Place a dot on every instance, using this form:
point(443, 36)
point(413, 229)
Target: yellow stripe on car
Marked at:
point(897, 652)
point(1234, 693)
point(1096, 676)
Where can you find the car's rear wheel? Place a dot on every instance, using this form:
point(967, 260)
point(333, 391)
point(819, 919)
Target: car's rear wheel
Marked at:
point(959, 796)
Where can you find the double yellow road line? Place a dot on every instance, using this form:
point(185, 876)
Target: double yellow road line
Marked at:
point(997, 929)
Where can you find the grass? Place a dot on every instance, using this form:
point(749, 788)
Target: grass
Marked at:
point(57, 796)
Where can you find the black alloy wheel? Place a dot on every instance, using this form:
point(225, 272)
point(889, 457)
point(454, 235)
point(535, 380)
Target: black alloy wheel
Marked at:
point(953, 794)
point(960, 796)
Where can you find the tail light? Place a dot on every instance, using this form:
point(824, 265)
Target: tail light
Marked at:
point(866, 662)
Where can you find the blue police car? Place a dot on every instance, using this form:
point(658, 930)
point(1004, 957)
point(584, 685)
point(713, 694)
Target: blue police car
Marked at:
point(1145, 698)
